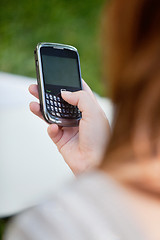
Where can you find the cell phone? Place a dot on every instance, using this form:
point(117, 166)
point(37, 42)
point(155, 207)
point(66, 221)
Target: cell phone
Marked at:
point(58, 69)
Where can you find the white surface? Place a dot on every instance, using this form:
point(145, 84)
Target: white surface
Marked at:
point(30, 164)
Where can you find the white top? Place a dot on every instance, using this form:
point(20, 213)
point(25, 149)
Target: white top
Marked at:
point(91, 208)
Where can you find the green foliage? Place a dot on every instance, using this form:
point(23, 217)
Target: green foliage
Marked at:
point(3, 223)
point(74, 22)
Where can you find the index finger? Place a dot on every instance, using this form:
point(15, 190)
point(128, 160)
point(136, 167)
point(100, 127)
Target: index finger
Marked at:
point(33, 89)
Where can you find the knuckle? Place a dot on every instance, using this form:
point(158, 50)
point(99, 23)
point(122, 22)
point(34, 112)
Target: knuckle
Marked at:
point(82, 93)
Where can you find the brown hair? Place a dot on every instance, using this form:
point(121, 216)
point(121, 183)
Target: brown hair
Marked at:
point(131, 39)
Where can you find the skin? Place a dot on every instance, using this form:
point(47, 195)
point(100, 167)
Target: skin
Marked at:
point(81, 147)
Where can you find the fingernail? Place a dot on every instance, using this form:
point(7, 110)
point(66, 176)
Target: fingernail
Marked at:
point(65, 92)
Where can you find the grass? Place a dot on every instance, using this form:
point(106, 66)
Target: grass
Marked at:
point(74, 22)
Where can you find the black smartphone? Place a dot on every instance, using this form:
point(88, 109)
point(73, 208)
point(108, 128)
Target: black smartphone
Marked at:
point(58, 68)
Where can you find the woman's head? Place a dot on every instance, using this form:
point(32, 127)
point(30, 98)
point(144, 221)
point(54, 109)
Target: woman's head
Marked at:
point(131, 38)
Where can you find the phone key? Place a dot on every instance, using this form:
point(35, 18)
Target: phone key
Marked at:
point(50, 96)
point(47, 101)
point(63, 105)
point(63, 110)
point(58, 114)
point(67, 110)
point(52, 108)
point(75, 110)
point(58, 99)
point(71, 110)
point(47, 96)
point(59, 110)
point(59, 105)
point(53, 113)
point(54, 97)
point(65, 115)
point(71, 116)
point(55, 103)
point(48, 107)
point(51, 102)
point(56, 109)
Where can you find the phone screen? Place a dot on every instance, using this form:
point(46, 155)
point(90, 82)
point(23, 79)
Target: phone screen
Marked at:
point(60, 71)
point(60, 68)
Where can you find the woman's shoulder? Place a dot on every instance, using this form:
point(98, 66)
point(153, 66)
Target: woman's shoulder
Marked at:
point(88, 208)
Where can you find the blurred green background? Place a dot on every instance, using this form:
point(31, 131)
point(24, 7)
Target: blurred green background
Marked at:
point(25, 23)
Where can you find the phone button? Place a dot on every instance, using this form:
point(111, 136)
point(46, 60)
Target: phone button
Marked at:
point(55, 104)
point(65, 115)
point(58, 99)
point(58, 114)
point(53, 113)
point(50, 96)
point(47, 96)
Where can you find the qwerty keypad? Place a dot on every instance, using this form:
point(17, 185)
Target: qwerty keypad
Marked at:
point(58, 107)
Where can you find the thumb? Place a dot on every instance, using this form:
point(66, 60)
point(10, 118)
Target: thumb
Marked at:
point(81, 99)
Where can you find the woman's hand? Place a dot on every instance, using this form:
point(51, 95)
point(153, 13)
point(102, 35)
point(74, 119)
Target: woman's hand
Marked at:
point(82, 147)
